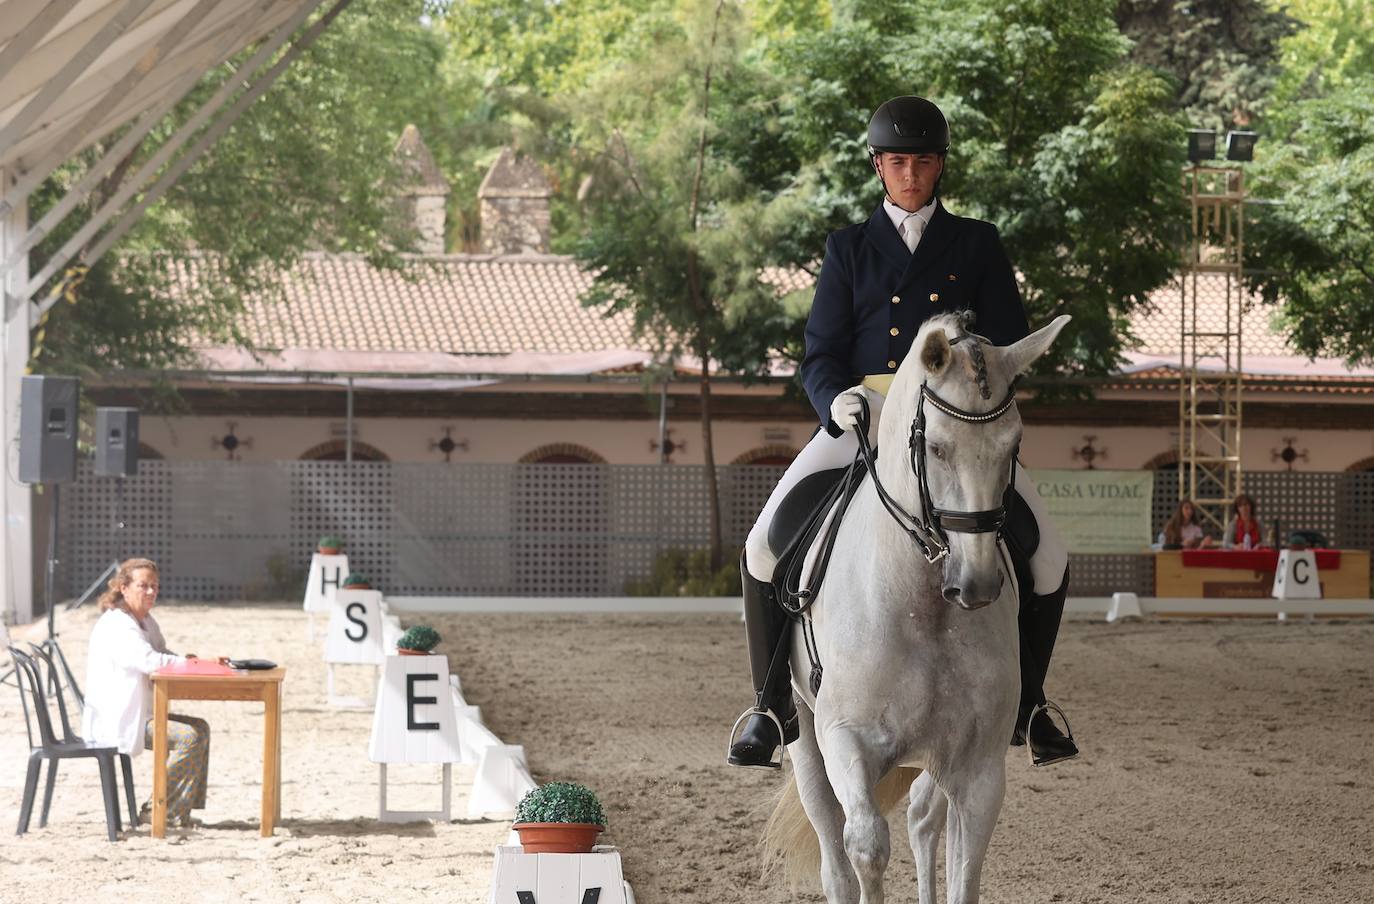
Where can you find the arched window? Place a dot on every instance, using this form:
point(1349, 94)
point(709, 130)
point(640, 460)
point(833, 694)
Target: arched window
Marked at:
point(767, 455)
point(1364, 464)
point(334, 450)
point(148, 453)
point(562, 454)
point(1164, 461)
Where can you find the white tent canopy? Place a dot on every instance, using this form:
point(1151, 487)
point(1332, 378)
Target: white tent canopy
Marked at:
point(71, 73)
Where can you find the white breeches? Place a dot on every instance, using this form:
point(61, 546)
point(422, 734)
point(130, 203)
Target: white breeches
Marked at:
point(824, 452)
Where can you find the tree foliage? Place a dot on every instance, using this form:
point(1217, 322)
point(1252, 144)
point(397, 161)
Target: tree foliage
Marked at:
point(1313, 253)
point(308, 166)
point(1057, 138)
point(1223, 55)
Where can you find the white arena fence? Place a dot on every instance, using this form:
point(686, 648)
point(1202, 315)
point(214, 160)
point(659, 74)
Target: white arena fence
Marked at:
point(245, 530)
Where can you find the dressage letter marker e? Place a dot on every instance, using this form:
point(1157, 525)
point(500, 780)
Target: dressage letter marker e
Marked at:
point(410, 727)
point(1296, 577)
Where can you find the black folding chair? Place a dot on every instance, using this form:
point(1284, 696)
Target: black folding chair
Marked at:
point(52, 748)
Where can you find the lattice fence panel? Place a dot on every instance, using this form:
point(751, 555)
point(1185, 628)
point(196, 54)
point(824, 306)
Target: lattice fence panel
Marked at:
point(1103, 575)
point(452, 529)
point(90, 540)
point(1300, 500)
point(221, 530)
point(350, 500)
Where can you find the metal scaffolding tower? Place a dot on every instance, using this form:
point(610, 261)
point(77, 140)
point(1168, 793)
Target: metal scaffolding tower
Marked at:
point(1209, 390)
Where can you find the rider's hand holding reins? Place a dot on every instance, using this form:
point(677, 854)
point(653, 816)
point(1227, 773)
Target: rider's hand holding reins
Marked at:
point(844, 411)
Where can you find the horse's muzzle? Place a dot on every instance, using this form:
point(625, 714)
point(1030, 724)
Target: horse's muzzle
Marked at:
point(973, 595)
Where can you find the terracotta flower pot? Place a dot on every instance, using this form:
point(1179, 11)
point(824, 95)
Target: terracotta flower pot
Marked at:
point(558, 837)
point(407, 651)
point(357, 586)
point(328, 550)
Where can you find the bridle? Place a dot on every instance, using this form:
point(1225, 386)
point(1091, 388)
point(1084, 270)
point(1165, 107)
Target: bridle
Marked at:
point(932, 527)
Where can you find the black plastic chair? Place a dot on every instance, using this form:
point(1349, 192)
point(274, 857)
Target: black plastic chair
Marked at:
point(68, 746)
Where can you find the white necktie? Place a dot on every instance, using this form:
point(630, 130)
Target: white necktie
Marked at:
point(912, 227)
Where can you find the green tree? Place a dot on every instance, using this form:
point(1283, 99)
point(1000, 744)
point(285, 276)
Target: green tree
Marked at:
point(1223, 55)
point(308, 166)
point(657, 237)
point(1312, 254)
point(1058, 139)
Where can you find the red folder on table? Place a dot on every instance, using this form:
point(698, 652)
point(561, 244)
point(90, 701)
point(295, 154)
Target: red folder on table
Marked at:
point(196, 667)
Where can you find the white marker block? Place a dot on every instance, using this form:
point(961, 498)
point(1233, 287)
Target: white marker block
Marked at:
point(502, 778)
point(414, 720)
point(327, 574)
point(519, 878)
point(1296, 577)
point(355, 628)
point(1124, 605)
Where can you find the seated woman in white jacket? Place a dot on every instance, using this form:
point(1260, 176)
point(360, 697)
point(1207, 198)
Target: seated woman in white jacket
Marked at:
point(126, 647)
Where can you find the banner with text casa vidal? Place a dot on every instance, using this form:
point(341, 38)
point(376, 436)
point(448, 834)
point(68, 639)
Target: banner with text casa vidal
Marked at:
point(1099, 511)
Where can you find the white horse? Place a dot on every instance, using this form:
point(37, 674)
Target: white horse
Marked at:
point(920, 659)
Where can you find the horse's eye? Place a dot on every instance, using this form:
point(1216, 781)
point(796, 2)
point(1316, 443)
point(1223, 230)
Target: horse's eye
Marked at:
point(938, 451)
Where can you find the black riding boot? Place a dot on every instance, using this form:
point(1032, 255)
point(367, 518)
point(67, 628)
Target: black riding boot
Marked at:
point(1039, 625)
point(766, 626)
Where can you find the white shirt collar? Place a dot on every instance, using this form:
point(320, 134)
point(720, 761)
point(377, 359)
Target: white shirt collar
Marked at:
point(897, 214)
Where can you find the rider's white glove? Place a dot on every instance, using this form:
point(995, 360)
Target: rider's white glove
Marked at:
point(844, 411)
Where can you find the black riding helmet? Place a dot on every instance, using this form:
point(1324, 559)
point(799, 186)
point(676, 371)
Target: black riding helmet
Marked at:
point(907, 125)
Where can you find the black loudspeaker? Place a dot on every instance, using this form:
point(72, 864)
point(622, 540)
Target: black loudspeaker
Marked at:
point(116, 442)
point(47, 429)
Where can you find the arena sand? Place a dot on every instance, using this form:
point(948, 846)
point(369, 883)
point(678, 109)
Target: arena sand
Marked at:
point(1224, 762)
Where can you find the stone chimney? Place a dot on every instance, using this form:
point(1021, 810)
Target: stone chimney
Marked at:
point(515, 206)
point(424, 191)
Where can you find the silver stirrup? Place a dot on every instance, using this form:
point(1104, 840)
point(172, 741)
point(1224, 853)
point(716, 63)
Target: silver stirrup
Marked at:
point(782, 739)
point(1068, 732)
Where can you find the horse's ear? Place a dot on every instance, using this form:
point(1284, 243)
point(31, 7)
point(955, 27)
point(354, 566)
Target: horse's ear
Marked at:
point(936, 353)
point(1021, 355)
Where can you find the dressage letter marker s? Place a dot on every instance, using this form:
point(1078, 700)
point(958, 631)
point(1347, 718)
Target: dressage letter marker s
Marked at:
point(355, 628)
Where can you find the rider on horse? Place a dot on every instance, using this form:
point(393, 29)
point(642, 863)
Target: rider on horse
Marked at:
point(880, 280)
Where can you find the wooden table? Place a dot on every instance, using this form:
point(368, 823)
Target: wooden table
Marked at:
point(1174, 577)
point(263, 685)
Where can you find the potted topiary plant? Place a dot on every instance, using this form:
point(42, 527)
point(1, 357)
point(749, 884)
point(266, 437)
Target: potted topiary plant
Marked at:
point(357, 582)
point(329, 545)
point(419, 640)
point(559, 818)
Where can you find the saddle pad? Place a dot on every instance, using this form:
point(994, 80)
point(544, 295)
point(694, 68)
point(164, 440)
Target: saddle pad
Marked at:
point(196, 667)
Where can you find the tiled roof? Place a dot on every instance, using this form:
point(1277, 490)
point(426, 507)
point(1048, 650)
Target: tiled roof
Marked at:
point(1159, 329)
point(493, 305)
point(456, 304)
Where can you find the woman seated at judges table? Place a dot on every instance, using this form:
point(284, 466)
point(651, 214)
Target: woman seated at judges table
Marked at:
point(1243, 528)
point(126, 647)
point(1182, 530)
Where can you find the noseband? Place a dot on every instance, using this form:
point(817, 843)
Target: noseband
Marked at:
point(932, 527)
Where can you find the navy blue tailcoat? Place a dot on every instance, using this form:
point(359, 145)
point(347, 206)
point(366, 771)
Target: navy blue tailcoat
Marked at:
point(873, 295)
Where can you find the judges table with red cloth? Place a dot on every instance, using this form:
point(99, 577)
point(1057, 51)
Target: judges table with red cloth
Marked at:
point(1249, 573)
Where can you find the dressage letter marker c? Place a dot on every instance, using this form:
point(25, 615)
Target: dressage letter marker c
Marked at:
point(1296, 577)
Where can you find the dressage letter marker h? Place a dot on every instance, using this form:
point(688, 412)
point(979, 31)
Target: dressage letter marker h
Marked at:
point(326, 577)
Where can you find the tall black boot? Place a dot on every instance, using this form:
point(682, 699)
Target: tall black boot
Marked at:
point(1039, 627)
point(767, 629)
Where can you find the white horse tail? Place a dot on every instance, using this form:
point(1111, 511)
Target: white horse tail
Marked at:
point(789, 840)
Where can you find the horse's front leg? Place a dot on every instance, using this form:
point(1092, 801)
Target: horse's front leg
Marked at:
point(925, 820)
point(975, 795)
point(854, 768)
point(823, 809)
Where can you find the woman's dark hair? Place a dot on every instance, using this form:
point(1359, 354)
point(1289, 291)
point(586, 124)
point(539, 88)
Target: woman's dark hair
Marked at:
point(1245, 497)
point(1173, 530)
